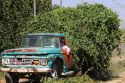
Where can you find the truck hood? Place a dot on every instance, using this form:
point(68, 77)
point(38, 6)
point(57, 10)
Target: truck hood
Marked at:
point(34, 50)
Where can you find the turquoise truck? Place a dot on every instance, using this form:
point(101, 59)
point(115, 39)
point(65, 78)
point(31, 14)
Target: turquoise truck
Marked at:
point(40, 54)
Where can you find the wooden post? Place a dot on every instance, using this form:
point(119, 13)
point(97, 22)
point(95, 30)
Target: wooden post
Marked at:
point(34, 7)
point(60, 3)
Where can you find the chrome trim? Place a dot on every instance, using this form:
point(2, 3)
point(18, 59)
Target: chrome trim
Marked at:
point(25, 70)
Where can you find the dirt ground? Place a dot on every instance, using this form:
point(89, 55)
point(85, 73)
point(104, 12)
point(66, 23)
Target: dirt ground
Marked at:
point(118, 70)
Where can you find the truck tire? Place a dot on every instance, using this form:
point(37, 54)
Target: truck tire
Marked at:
point(36, 81)
point(11, 78)
point(56, 70)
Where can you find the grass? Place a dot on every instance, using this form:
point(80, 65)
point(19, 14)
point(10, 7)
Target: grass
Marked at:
point(76, 79)
point(1, 75)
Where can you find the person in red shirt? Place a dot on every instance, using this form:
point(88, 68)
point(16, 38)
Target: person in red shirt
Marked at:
point(66, 51)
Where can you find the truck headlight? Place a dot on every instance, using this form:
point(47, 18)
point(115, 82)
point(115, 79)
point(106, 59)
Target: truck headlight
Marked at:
point(43, 61)
point(6, 61)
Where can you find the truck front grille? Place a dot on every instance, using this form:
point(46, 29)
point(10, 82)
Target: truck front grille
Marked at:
point(24, 61)
point(19, 61)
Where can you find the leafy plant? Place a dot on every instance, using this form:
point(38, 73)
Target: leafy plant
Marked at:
point(93, 29)
point(13, 17)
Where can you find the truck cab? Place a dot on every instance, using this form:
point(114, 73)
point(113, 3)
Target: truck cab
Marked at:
point(39, 54)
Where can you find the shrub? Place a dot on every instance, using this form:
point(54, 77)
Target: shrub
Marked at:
point(92, 30)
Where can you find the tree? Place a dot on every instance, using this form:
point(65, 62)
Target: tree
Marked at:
point(13, 17)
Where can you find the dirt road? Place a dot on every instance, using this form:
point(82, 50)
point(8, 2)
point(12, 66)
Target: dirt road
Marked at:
point(118, 68)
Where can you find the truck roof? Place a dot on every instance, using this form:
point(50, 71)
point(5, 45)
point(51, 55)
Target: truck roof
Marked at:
point(49, 34)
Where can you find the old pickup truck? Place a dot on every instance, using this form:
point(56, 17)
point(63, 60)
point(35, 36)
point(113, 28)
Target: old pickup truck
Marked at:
point(40, 54)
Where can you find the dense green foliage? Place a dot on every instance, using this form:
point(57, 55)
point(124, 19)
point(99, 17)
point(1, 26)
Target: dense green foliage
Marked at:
point(13, 17)
point(93, 28)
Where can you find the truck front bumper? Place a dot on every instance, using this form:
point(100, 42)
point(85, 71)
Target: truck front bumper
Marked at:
point(26, 70)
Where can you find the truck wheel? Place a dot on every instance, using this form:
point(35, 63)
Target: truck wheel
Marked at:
point(55, 73)
point(11, 78)
point(36, 81)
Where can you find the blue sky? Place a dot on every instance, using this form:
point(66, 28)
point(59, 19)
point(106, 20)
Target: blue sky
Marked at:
point(116, 5)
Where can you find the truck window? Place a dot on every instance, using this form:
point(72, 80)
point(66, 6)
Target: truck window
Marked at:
point(43, 41)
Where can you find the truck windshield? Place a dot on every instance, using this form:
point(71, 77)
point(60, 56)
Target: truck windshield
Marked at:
point(43, 41)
